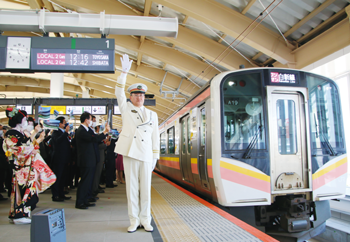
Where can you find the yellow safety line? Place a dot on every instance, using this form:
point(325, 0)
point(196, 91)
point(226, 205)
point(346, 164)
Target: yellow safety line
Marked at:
point(244, 171)
point(329, 168)
point(170, 225)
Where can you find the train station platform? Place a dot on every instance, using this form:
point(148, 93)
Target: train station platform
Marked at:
point(177, 215)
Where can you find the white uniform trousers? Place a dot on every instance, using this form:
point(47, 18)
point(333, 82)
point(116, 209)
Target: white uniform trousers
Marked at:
point(138, 176)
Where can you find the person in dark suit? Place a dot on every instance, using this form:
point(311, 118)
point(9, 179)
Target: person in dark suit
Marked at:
point(61, 155)
point(110, 163)
point(87, 158)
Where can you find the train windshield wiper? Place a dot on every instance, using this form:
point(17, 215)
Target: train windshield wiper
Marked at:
point(325, 139)
point(252, 143)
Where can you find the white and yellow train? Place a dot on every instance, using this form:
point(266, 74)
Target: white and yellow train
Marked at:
point(268, 140)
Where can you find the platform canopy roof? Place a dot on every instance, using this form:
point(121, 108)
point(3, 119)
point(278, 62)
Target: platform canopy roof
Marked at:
point(213, 36)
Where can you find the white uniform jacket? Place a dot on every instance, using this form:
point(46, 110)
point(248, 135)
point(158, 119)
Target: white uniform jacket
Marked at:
point(139, 138)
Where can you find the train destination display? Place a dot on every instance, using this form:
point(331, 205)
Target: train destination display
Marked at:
point(46, 54)
point(283, 77)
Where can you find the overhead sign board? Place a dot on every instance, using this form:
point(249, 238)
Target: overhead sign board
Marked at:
point(45, 54)
point(77, 110)
point(27, 108)
point(98, 110)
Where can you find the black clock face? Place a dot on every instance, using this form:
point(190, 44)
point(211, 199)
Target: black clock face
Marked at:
point(18, 53)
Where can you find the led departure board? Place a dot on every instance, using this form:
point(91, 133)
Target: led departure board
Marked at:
point(47, 54)
point(73, 60)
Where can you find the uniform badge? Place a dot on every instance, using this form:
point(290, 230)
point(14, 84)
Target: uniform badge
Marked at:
point(139, 87)
point(133, 111)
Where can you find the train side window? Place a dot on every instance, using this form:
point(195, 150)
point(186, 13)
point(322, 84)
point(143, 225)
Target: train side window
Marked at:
point(162, 143)
point(203, 122)
point(286, 125)
point(171, 140)
point(183, 127)
point(189, 135)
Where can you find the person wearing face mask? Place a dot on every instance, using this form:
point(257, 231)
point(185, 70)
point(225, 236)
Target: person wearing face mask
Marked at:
point(93, 123)
point(31, 175)
point(60, 157)
point(30, 127)
point(87, 158)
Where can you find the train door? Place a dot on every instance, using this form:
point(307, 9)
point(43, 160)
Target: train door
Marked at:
point(185, 159)
point(288, 139)
point(202, 157)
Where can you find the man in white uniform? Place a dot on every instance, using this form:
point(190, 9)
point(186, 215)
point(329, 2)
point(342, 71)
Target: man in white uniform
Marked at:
point(139, 145)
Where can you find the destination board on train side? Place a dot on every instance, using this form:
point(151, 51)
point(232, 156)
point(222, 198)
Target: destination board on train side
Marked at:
point(47, 54)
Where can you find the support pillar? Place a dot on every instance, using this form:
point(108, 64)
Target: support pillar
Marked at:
point(56, 85)
point(86, 93)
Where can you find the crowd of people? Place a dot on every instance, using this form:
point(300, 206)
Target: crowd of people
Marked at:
point(33, 159)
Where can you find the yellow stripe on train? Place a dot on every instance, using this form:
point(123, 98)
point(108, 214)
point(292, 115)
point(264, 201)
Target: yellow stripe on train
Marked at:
point(244, 171)
point(329, 168)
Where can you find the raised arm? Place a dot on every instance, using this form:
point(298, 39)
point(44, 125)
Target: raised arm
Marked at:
point(120, 86)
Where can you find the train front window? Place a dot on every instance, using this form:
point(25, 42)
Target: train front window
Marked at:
point(243, 118)
point(325, 115)
point(286, 125)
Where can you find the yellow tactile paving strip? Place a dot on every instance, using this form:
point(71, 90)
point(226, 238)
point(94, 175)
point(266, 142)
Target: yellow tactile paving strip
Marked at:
point(171, 227)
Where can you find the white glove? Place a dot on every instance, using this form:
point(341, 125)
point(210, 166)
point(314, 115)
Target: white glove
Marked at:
point(126, 63)
point(154, 164)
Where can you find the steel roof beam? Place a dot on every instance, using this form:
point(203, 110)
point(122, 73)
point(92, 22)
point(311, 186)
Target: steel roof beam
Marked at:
point(187, 39)
point(332, 40)
point(308, 17)
point(234, 23)
point(42, 21)
point(249, 5)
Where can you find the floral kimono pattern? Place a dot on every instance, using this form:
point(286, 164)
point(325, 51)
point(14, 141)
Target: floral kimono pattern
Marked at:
point(31, 174)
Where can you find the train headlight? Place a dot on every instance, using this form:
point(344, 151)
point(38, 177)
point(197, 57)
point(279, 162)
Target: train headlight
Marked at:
point(232, 83)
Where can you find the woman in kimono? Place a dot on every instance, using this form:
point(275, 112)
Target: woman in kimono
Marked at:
point(31, 175)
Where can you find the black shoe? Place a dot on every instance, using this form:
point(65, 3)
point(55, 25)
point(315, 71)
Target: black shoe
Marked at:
point(87, 204)
point(66, 198)
point(66, 192)
point(101, 191)
point(99, 187)
point(81, 206)
point(92, 200)
point(57, 199)
point(113, 186)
